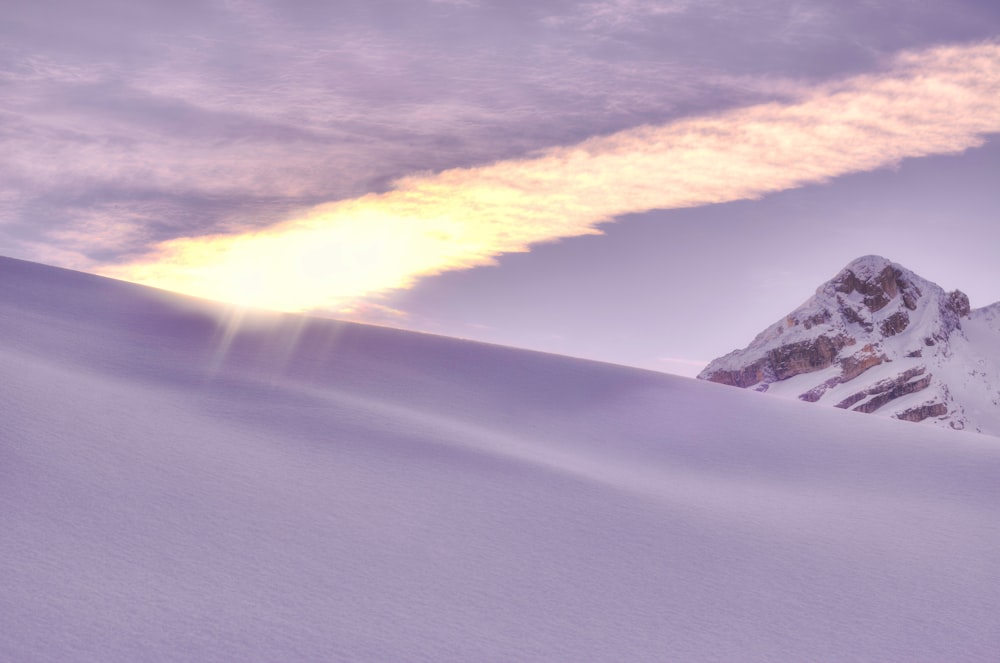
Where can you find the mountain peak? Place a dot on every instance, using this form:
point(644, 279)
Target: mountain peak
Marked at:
point(867, 267)
point(878, 281)
point(870, 339)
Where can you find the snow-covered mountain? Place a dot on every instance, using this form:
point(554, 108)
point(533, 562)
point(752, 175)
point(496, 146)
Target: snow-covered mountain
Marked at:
point(180, 481)
point(879, 339)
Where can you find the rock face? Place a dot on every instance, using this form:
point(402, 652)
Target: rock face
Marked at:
point(879, 339)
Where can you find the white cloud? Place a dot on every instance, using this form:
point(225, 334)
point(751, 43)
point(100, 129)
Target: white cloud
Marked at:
point(939, 101)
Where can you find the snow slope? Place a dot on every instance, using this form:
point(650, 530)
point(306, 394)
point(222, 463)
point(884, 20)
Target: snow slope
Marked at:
point(176, 487)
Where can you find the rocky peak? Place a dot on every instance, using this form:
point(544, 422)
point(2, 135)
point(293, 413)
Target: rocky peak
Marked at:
point(958, 303)
point(859, 342)
point(878, 281)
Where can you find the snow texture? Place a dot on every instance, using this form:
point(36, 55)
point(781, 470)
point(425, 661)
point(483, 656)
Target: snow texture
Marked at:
point(183, 482)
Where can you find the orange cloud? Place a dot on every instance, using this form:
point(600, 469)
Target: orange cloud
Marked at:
point(939, 101)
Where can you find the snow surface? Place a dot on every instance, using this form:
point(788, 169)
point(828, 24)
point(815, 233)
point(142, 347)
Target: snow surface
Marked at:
point(177, 487)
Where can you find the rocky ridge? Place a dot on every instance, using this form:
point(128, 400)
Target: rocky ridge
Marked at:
point(879, 339)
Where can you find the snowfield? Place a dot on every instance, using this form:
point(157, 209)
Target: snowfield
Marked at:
point(182, 482)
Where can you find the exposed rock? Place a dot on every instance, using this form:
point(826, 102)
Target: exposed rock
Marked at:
point(856, 364)
point(922, 412)
point(851, 314)
point(910, 292)
point(958, 302)
point(783, 362)
point(895, 392)
point(818, 319)
point(896, 387)
point(804, 357)
point(850, 367)
point(851, 400)
point(743, 377)
point(817, 392)
point(895, 323)
point(877, 290)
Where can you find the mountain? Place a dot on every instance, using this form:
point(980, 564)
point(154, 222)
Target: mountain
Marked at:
point(879, 339)
point(184, 481)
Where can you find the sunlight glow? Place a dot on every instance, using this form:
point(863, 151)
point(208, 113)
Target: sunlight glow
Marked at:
point(940, 101)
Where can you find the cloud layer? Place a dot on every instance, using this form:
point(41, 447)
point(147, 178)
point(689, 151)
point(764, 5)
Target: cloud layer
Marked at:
point(121, 129)
point(937, 101)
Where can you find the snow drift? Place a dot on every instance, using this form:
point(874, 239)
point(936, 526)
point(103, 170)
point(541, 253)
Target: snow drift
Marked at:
point(182, 482)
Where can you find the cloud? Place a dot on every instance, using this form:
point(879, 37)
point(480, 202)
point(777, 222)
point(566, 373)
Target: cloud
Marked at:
point(224, 117)
point(249, 119)
point(939, 101)
point(614, 14)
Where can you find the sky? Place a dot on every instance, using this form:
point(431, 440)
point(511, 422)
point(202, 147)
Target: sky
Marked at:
point(647, 183)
